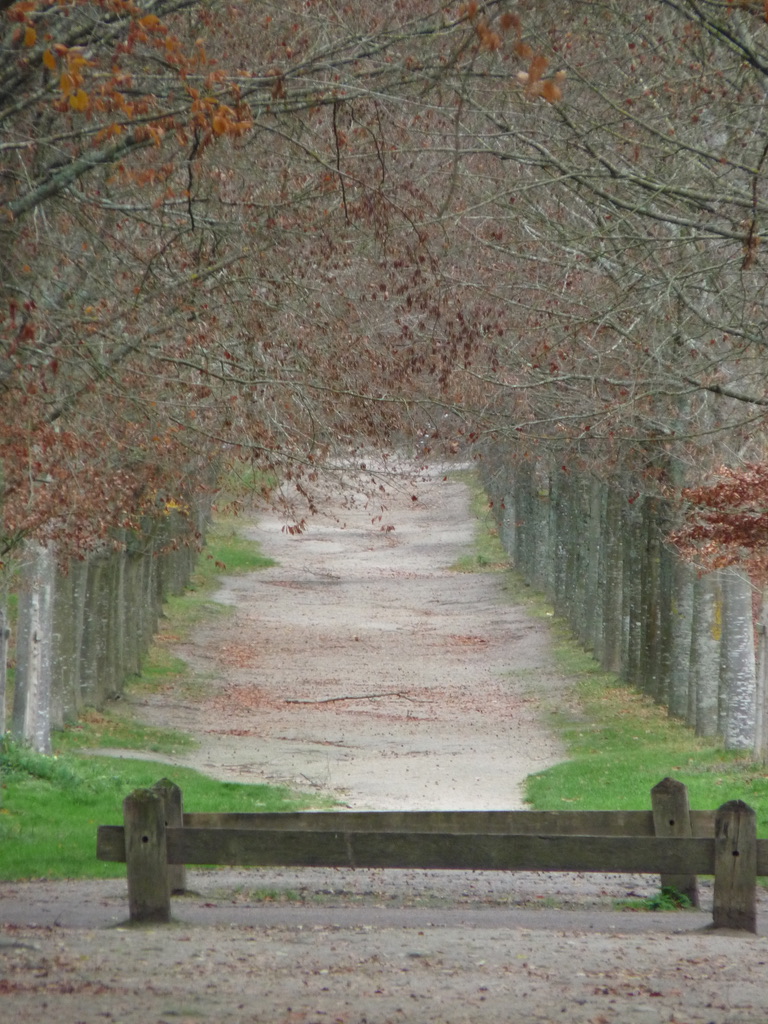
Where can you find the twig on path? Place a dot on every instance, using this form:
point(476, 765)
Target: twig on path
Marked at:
point(361, 696)
point(322, 573)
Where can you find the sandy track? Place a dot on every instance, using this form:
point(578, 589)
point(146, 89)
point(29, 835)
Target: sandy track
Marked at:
point(363, 666)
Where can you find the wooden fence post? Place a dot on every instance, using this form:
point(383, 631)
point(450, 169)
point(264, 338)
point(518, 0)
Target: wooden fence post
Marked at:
point(735, 867)
point(173, 802)
point(149, 895)
point(672, 819)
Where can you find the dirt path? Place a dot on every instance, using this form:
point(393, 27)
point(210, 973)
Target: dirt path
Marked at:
point(362, 666)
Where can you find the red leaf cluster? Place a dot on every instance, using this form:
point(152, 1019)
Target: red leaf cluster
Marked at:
point(727, 521)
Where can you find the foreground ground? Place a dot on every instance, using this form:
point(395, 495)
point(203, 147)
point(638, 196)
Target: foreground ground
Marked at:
point(363, 667)
point(348, 951)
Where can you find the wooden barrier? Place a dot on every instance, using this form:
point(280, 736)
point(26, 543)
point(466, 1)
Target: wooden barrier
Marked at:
point(158, 838)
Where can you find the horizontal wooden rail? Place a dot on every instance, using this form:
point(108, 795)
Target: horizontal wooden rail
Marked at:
point(426, 850)
point(589, 823)
point(157, 839)
point(111, 843)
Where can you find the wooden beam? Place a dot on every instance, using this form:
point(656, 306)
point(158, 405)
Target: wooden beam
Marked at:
point(110, 846)
point(110, 843)
point(490, 822)
point(591, 823)
point(437, 851)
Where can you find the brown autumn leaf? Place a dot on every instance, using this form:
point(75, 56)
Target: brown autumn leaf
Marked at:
point(79, 100)
point(509, 20)
point(551, 91)
point(538, 66)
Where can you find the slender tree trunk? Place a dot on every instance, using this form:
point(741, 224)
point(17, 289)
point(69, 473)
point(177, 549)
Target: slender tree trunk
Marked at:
point(524, 547)
point(737, 664)
point(90, 637)
point(578, 555)
point(68, 630)
point(542, 546)
point(761, 718)
point(706, 630)
point(612, 583)
point(681, 612)
point(571, 538)
point(651, 648)
point(667, 596)
point(5, 634)
point(508, 525)
point(32, 696)
point(595, 623)
point(558, 499)
point(633, 595)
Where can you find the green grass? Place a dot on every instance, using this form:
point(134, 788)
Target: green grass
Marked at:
point(228, 551)
point(114, 725)
point(52, 806)
point(109, 729)
point(668, 898)
point(163, 670)
point(487, 553)
point(620, 743)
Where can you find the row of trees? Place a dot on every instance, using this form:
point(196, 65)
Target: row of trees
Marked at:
point(85, 628)
point(637, 388)
point(683, 636)
point(180, 223)
point(292, 232)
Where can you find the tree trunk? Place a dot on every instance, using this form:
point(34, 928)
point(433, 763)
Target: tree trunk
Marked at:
point(32, 695)
point(633, 594)
point(613, 583)
point(706, 629)
point(737, 664)
point(761, 723)
point(650, 653)
point(542, 544)
point(681, 613)
point(5, 633)
point(596, 527)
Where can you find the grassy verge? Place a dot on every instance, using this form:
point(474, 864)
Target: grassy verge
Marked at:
point(619, 743)
point(487, 553)
point(227, 551)
point(53, 805)
point(116, 728)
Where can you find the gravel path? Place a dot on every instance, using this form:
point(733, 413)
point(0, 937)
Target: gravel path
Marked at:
point(362, 665)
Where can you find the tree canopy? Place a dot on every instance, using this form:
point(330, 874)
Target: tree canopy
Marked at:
point(298, 230)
